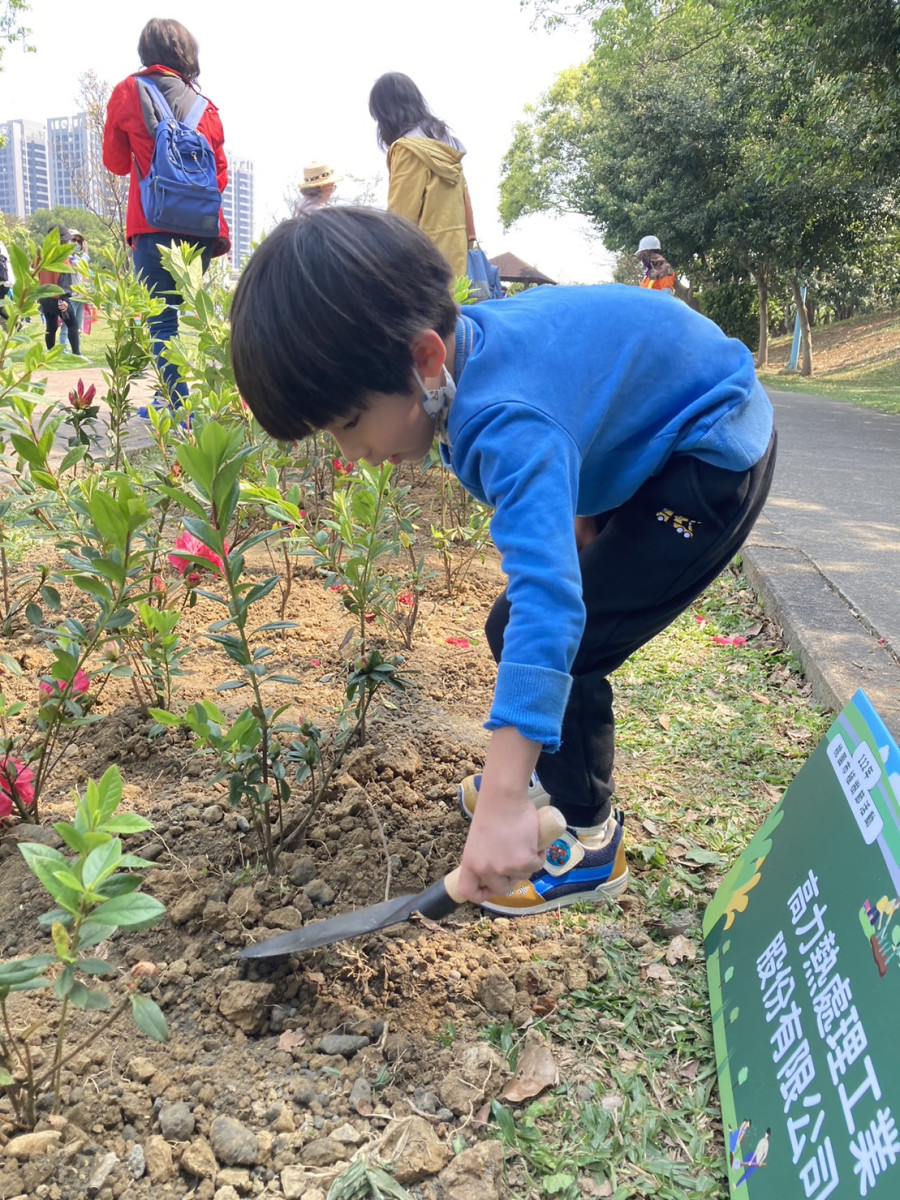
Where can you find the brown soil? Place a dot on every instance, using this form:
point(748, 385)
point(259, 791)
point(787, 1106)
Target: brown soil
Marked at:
point(246, 1040)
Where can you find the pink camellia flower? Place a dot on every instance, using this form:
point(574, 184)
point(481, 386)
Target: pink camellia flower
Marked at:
point(406, 598)
point(15, 780)
point(82, 397)
point(463, 643)
point(80, 684)
point(193, 545)
point(192, 579)
point(158, 585)
point(341, 467)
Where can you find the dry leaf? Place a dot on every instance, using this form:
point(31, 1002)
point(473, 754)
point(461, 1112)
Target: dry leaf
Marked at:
point(689, 1070)
point(651, 827)
point(537, 1070)
point(676, 851)
point(660, 972)
point(543, 1005)
point(481, 1118)
point(599, 1191)
point(290, 1038)
point(761, 699)
point(680, 948)
point(665, 721)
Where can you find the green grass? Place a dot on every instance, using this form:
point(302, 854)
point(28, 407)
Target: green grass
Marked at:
point(709, 735)
point(873, 387)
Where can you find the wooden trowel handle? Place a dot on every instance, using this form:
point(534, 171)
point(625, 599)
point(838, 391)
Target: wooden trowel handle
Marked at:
point(552, 824)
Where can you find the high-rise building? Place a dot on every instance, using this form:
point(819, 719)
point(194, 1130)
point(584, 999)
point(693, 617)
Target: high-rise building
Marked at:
point(24, 179)
point(237, 204)
point(74, 153)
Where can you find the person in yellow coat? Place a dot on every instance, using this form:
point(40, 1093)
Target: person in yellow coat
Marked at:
point(426, 181)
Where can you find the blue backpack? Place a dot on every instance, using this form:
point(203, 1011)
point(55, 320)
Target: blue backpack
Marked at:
point(180, 193)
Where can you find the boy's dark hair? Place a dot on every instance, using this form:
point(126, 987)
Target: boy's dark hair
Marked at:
point(397, 105)
point(167, 43)
point(326, 311)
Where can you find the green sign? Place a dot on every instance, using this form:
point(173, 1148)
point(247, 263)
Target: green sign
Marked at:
point(803, 959)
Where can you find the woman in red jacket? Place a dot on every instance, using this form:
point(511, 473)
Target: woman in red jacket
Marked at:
point(169, 54)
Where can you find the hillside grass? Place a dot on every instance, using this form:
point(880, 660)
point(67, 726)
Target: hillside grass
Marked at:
point(857, 361)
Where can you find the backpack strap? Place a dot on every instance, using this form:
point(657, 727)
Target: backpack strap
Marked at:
point(160, 105)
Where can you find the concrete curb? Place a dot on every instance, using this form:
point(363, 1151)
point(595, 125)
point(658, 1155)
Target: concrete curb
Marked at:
point(837, 652)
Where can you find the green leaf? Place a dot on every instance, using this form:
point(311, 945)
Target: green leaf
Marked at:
point(87, 998)
point(149, 1018)
point(33, 614)
point(22, 969)
point(44, 862)
point(127, 823)
point(100, 863)
point(134, 911)
point(706, 858)
point(94, 966)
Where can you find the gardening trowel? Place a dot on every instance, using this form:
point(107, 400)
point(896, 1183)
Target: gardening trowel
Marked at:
point(436, 902)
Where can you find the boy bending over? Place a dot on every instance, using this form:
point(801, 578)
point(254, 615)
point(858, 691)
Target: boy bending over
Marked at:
point(622, 440)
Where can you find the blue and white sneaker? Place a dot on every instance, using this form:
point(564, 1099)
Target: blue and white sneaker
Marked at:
point(572, 871)
point(467, 793)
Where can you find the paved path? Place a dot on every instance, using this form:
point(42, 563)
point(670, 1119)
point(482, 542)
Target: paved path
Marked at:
point(826, 552)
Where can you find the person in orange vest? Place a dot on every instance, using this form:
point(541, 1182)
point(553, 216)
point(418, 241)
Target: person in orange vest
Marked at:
point(658, 275)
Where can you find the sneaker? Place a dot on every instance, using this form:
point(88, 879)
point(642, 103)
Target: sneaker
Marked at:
point(571, 872)
point(467, 792)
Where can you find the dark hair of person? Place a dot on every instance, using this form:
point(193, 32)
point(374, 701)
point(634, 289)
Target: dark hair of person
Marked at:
point(397, 105)
point(167, 43)
point(326, 311)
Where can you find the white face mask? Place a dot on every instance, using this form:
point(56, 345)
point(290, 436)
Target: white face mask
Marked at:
point(437, 401)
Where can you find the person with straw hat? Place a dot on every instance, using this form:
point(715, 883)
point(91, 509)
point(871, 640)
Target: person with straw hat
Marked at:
point(317, 188)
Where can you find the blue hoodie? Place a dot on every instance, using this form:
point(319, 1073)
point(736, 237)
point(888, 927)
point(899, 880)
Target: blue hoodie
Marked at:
point(568, 400)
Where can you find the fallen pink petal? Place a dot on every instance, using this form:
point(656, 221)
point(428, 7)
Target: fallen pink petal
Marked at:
point(463, 643)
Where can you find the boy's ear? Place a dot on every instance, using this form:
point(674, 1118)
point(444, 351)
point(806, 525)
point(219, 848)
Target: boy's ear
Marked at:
point(429, 353)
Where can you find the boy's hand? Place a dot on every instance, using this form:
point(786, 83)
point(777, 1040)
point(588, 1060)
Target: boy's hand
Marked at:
point(502, 847)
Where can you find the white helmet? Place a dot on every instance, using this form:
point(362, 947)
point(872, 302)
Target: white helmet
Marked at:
point(649, 243)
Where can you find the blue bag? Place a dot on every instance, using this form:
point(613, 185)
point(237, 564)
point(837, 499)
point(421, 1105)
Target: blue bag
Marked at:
point(485, 277)
point(180, 193)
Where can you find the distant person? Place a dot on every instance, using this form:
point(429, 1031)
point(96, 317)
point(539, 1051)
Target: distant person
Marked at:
point(79, 258)
point(620, 490)
point(7, 278)
point(170, 58)
point(426, 181)
point(56, 309)
point(658, 275)
point(317, 188)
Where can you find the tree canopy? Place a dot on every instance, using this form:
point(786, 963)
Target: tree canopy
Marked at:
point(728, 130)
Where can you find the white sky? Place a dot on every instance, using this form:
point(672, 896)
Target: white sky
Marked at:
point(292, 85)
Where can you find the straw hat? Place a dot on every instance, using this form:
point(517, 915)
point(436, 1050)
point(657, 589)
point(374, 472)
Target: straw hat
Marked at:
point(318, 174)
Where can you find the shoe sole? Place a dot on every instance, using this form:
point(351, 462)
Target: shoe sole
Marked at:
point(606, 891)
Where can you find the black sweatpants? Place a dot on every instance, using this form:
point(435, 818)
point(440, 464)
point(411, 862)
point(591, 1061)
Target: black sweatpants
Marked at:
point(651, 558)
point(53, 315)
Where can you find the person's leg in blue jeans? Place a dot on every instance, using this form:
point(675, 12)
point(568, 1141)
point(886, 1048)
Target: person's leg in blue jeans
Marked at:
point(148, 265)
